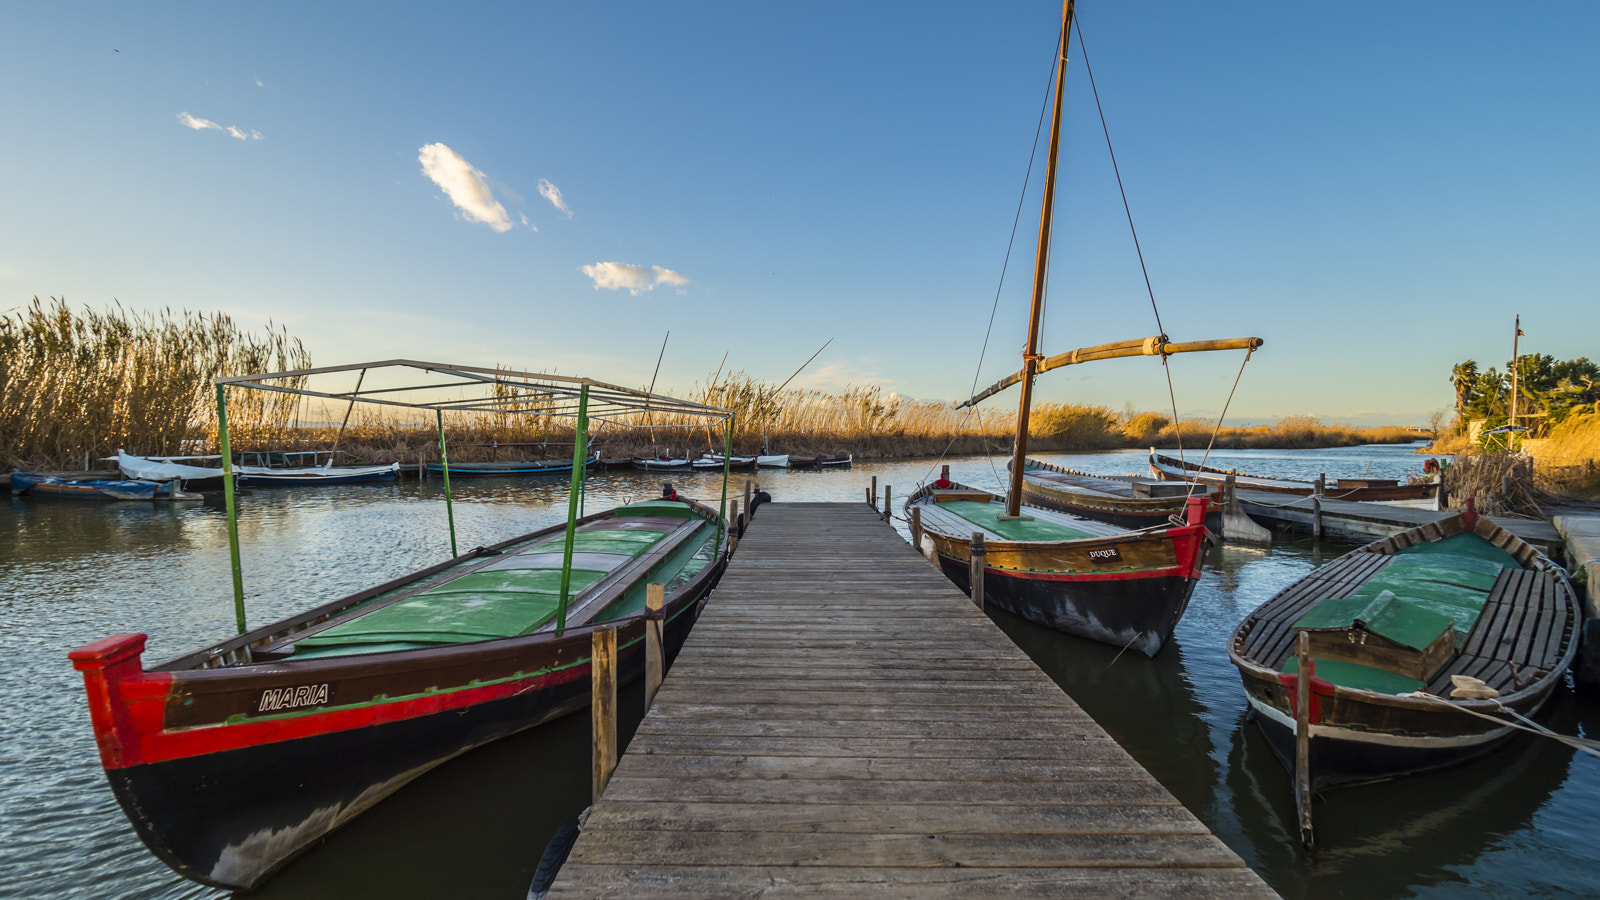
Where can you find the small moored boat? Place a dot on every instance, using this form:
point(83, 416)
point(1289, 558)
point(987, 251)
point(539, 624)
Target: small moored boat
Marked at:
point(1419, 644)
point(510, 469)
point(54, 487)
point(661, 464)
point(1129, 501)
point(1372, 490)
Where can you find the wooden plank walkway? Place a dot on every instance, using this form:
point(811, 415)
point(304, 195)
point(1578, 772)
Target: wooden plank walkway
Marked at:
point(844, 723)
point(1359, 521)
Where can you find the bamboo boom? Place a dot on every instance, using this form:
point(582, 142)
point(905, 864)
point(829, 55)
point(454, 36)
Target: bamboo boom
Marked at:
point(1150, 346)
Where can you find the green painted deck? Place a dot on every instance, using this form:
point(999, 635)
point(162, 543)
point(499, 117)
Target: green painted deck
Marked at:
point(843, 723)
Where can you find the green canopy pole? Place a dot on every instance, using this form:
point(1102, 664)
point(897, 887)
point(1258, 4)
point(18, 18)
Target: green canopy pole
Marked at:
point(580, 453)
point(444, 463)
point(232, 507)
point(727, 461)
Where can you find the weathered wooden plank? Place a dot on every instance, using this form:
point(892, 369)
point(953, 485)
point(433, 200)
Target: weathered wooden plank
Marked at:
point(850, 883)
point(667, 707)
point(1097, 766)
point(894, 818)
point(778, 790)
point(879, 748)
point(760, 848)
point(1057, 728)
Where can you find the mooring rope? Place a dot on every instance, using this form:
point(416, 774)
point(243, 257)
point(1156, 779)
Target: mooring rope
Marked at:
point(1522, 723)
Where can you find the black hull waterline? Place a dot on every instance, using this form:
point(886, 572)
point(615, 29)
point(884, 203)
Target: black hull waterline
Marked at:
point(1134, 613)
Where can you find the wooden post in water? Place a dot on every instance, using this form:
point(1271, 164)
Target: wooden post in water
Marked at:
point(975, 568)
point(603, 705)
point(872, 493)
point(1304, 669)
point(916, 528)
point(733, 525)
point(748, 509)
point(655, 597)
point(1316, 505)
point(888, 503)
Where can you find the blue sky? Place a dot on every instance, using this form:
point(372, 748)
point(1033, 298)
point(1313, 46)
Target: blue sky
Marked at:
point(1374, 188)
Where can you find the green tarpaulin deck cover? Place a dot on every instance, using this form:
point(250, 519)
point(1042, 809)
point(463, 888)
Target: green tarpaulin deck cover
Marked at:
point(1422, 591)
point(987, 516)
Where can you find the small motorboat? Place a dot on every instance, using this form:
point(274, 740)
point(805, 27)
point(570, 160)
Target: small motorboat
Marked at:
point(661, 464)
point(54, 487)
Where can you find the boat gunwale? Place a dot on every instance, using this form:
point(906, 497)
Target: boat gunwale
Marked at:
point(1132, 504)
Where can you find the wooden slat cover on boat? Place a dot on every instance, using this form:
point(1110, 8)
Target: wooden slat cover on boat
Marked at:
point(1074, 482)
point(1523, 628)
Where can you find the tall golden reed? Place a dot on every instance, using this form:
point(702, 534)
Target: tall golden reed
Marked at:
point(77, 382)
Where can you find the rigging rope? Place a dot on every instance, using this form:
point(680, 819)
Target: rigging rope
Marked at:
point(1522, 723)
point(1006, 264)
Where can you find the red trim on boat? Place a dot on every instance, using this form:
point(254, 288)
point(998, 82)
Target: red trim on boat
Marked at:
point(128, 708)
point(1320, 687)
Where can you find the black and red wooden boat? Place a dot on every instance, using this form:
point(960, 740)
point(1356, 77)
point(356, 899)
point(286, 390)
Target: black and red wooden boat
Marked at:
point(231, 760)
point(1088, 578)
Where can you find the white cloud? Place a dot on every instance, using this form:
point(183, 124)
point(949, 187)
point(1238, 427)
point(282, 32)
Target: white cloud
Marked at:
point(466, 187)
point(259, 83)
point(635, 279)
point(199, 124)
point(553, 194)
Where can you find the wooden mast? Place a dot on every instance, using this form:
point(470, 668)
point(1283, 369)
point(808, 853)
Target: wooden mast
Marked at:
point(1030, 358)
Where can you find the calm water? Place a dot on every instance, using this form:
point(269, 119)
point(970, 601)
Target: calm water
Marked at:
point(1520, 821)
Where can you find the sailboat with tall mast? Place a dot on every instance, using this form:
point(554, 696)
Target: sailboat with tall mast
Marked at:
point(1074, 574)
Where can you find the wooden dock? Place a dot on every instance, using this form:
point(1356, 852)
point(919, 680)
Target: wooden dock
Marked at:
point(844, 723)
point(1355, 520)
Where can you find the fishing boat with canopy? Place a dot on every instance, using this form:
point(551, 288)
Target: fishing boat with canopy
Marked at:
point(233, 758)
point(1066, 571)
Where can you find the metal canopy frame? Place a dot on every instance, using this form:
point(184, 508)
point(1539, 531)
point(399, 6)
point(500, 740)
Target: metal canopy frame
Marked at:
point(536, 394)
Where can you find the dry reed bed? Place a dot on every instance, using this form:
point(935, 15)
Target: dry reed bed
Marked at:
point(85, 382)
point(81, 384)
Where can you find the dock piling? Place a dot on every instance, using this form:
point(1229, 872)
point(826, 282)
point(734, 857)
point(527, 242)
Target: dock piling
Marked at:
point(1302, 737)
point(872, 493)
point(654, 598)
point(603, 703)
point(888, 503)
point(1316, 505)
point(975, 567)
point(734, 530)
point(916, 528)
point(748, 484)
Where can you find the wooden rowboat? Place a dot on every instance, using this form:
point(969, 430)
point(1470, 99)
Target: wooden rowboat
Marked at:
point(661, 464)
point(1099, 581)
point(1130, 501)
point(232, 759)
point(509, 469)
point(1379, 490)
point(1395, 631)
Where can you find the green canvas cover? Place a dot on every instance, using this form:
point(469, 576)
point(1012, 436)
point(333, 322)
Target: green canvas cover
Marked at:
point(670, 508)
point(603, 540)
point(1407, 624)
point(987, 516)
point(1407, 601)
point(1465, 546)
point(1355, 675)
point(496, 603)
